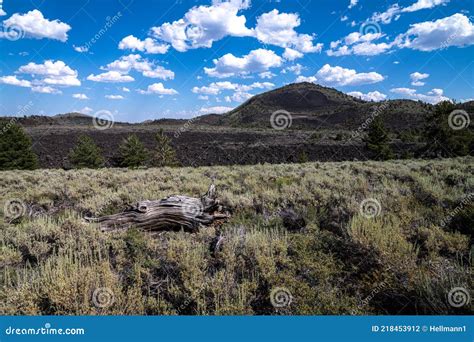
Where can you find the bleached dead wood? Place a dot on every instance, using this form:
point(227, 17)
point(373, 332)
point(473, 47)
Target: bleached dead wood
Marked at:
point(172, 213)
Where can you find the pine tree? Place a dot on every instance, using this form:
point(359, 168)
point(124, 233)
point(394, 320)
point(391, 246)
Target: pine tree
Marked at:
point(377, 140)
point(441, 139)
point(163, 154)
point(303, 157)
point(132, 152)
point(86, 154)
point(16, 151)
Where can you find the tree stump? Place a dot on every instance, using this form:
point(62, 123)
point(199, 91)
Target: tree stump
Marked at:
point(172, 213)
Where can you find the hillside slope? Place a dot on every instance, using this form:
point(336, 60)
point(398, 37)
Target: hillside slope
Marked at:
point(314, 106)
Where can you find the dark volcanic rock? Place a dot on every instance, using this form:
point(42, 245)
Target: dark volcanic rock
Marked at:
point(291, 220)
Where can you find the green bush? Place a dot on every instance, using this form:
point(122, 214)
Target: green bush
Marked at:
point(441, 139)
point(377, 140)
point(409, 136)
point(163, 154)
point(303, 157)
point(15, 148)
point(132, 152)
point(86, 154)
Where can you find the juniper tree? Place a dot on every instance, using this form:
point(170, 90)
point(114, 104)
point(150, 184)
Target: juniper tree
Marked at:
point(163, 154)
point(447, 131)
point(86, 154)
point(132, 152)
point(377, 140)
point(15, 148)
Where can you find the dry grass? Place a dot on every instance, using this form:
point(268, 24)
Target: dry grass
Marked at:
point(404, 260)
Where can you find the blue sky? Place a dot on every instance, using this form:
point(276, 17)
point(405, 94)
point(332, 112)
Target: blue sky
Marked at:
point(144, 60)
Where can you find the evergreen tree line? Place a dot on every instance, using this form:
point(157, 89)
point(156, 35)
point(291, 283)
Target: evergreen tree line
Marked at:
point(16, 151)
point(131, 153)
point(440, 140)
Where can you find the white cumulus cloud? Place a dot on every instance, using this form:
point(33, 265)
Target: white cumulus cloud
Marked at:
point(33, 25)
point(370, 96)
point(52, 73)
point(80, 96)
point(456, 30)
point(110, 77)
point(358, 44)
point(240, 91)
point(45, 90)
point(13, 80)
point(216, 87)
point(353, 3)
point(80, 49)
point(424, 4)
point(44, 76)
point(278, 29)
point(256, 61)
point(395, 11)
point(2, 12)
point(114, 97)
point(148, 45)
point(118, 70)
point(291, 54)
point(416, 78)
point(86, 110)
point(215, 110)
point(310, 79)
point(158, 88)
point(434, 96)
point(203, 25)
point(339, 76)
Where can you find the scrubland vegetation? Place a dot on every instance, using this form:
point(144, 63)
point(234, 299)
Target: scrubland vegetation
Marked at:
point(374, 238)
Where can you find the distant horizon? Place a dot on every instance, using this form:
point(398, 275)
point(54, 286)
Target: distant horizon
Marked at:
point(145, 61)
point(91, 115)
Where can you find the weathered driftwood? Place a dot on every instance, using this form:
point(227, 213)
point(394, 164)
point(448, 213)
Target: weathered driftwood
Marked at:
point(171, 213)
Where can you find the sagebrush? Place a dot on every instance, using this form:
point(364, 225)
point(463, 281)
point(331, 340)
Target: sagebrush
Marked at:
point(403, 260)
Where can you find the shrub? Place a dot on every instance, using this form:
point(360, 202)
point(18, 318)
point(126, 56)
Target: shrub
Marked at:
point(15, 148)
point(163, 154)
point(409, 136)
point(132, 152)
point(86, 154)
point(377, 140)
point(400, 261)
point(441, 140)
point(303, 157)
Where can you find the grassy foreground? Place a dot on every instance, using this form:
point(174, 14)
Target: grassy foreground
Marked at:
point(380, 238)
